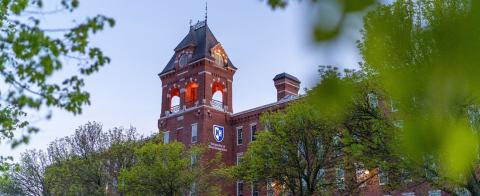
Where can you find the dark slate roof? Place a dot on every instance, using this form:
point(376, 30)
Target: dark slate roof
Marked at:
point(286, 75)
point(202, 39)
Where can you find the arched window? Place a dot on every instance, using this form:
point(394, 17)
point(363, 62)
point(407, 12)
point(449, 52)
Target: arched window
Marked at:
point(217, 95)
point(191, 93)
point(218, 59)
point(174, 100)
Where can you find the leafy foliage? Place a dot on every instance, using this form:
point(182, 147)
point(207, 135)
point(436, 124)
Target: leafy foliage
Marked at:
point(423, 54)
point(330, 16)
point(304, 145)
point(31, 55)
point(86, 163)
point(169, 169)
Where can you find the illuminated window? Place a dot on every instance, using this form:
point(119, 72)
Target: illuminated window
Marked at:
point(191, 92)
point(218, 59)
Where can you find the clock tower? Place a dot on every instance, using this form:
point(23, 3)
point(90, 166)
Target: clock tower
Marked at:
point(197, 93)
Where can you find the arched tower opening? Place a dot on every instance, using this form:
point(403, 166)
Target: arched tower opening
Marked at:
point(217, 95)
point(174, 100)
point(191, 94)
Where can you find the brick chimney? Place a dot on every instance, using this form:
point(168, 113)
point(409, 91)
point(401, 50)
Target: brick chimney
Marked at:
point(287, 85)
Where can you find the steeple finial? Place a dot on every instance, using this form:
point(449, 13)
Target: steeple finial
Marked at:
point(206, 10)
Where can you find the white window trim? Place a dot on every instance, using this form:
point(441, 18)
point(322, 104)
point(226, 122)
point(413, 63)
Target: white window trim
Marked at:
point(238, 182)
point(239, 157)
point(164, 134)
point(379, 176)
point(251, 131)
point(191, 132)
point(240, 127)
point(432, 192)
point(257, 190)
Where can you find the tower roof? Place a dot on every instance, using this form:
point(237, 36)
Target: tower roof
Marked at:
point(201, 38)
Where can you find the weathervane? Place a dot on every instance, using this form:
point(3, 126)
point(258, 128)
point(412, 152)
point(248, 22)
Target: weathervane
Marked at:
point(206, 10)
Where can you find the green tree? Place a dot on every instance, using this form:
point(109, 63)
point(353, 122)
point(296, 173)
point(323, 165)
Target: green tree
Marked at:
point(168, 169)
point(86, 163)
point(424, 55)
point(31, 54)
point(310, 151)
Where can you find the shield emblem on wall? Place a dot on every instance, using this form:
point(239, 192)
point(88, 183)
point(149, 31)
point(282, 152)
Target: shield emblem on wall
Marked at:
point(218, 133)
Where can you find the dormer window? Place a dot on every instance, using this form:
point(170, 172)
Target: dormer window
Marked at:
point(218, 59)
point(183, 60)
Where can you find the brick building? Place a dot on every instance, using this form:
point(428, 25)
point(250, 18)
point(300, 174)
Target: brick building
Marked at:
point(197, 99)
point(197, 106)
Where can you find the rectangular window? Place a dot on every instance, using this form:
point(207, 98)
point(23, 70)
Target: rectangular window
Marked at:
point(253, 129)
point(373, 100)
point(337, 144)
point(255, 189)
point(435, 193)
point(382, 177)
point(408, 194)
point(340, 178)
point(270, 191)
point(166, 137)
point(462, 192)
point(239, 158)
point(321, 180)
point(193, 189)
point(194, 133)
point(393, 106)
point(406, 176)
point(361, 174)
point(193, 159)
point(239, 135)
point(239, 188)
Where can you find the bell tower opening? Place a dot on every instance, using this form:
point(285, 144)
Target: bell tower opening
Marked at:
point(174, 100)
point(191, 94)
point(198, 74)
point(217, 95)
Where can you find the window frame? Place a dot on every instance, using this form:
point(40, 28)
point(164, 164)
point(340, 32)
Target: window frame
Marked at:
point(166, 137)
point(435, 192)
point(196, 133)
point(183, 57)
point(240, 128)
point(253, 131)
point(255, 192)
point(240, 193)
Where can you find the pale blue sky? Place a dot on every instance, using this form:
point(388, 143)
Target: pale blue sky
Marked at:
point(260, 41)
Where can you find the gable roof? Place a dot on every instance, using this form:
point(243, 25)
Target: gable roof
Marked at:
point(201, 38)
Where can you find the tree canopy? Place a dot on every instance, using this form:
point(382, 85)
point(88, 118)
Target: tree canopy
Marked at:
point(31, 54)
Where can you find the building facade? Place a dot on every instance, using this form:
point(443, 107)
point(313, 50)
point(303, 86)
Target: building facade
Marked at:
point(197, 107)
